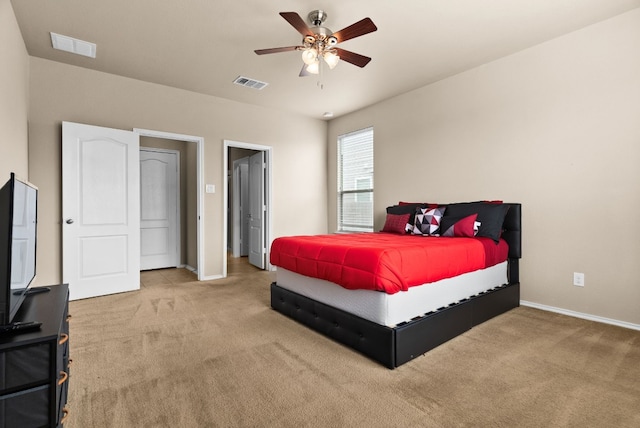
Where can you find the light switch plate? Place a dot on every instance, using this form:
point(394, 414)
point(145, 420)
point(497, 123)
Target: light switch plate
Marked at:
point(210, 188)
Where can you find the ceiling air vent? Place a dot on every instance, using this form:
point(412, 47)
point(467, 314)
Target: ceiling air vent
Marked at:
point(249, 83)
point(76, 46)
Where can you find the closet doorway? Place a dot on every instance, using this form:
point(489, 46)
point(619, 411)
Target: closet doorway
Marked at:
point(188, 234)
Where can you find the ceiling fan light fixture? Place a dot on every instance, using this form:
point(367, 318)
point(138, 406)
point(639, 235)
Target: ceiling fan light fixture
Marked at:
point(331, 58)
point(314, 67)
point(309, 56)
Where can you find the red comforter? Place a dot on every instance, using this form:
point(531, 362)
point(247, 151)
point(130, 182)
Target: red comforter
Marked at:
point(384, 261)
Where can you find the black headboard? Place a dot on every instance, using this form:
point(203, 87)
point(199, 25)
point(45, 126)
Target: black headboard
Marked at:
point(512, 233)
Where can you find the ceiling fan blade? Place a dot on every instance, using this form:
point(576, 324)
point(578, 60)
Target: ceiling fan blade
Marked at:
point(276, 50)
point(360, 28)
point(352, 57)
point(297, 23)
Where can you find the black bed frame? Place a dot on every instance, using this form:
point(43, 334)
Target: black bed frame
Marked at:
point(395, 346)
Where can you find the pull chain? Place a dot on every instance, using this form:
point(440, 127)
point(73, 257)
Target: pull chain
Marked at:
point(320, 74)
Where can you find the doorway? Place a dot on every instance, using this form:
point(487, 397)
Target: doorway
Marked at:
point(191, 212)
point(247, 202)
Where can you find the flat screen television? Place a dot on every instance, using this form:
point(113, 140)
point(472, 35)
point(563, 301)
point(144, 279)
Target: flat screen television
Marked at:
point(18, 224)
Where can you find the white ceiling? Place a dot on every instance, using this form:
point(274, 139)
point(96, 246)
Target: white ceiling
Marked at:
point(203, 45)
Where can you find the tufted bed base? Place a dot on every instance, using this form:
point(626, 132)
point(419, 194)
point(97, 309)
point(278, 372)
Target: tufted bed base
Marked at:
point(389, 346)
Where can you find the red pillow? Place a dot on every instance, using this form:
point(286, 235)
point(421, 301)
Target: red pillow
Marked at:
point(396, 223)
point(465, 226)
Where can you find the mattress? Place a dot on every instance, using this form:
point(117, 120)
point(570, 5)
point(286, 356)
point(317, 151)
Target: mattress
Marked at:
point(393, 309)
point(386, 262)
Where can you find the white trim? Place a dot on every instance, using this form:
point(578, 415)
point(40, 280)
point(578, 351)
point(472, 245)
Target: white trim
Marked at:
point(199, 183)
point(268, 198)
point(581, 315)
point(211, 278)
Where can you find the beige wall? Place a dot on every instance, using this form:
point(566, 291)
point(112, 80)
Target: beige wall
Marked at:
point(555, 127)
point(60, 92)
point(14, 97)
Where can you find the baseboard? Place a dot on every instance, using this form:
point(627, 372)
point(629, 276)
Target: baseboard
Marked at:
point(211, 277)
point(581, 315)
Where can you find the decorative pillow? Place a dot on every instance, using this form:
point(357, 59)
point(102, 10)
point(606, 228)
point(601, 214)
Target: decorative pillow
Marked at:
point(427, 221)
point(490, 215)
point(406, 209)
point(396, 223)
point(456, 226)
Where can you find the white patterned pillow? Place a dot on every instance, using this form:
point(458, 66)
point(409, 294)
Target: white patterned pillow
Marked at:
point(427, 221)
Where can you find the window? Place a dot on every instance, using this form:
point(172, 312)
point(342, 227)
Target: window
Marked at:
point(355, 181)
point(364, 183)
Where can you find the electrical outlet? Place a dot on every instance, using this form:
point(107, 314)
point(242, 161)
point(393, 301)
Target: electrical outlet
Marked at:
point(578, 279)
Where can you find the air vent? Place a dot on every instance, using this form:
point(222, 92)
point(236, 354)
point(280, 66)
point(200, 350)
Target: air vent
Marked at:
point(76, 46)
point(250, 83)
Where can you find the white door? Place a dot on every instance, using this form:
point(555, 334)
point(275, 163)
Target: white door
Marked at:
point(241, 207)
point(256, 210)
point(159, 209)
point(244, 207)
point(100, 210)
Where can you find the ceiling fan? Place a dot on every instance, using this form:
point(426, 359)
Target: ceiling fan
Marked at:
point(320, 42)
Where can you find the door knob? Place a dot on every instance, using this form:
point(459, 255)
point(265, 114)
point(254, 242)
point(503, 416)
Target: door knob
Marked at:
point(69, 221)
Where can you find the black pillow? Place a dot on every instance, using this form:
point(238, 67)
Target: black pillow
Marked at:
point(490, 215)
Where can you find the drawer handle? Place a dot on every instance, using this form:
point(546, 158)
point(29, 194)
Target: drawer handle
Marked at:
point(63, 339)
point(65, 414)
point(63, 377)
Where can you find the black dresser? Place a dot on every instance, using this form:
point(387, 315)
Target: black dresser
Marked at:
point(34, 365)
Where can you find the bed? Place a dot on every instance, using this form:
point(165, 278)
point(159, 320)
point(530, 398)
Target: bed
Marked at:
point(371, 297)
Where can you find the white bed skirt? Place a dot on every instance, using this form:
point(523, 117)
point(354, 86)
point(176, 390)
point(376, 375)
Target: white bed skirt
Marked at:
point(392, 309)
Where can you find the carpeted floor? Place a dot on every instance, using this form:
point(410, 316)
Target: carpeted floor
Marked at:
point(182, 353)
